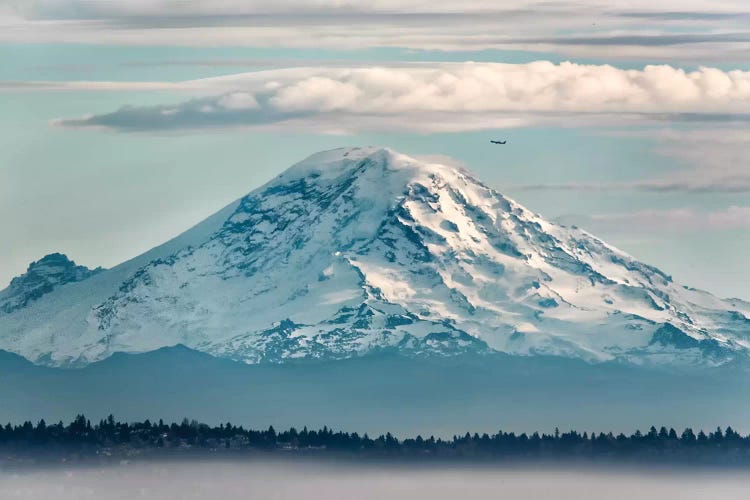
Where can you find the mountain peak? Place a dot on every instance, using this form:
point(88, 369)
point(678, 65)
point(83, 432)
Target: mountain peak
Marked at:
point(51, 260)
point(374, 162)
point(333, 163)
point(40, 278)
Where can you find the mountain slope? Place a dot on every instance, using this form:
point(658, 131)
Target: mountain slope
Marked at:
point(358, 250)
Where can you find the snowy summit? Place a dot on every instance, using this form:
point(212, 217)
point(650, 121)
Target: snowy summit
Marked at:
point(359, 250)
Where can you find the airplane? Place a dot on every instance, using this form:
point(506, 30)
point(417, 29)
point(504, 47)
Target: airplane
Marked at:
point(498, 142)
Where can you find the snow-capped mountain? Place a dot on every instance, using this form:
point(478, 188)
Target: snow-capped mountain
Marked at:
point(357, 250)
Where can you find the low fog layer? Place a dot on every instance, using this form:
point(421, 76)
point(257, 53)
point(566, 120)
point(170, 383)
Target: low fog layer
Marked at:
point(280, 480)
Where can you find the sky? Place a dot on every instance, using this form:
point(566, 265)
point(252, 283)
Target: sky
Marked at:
point(123, 123)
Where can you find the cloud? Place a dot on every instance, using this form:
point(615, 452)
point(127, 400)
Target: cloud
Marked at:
point(25, 86)
point(697, 30)
point(712, 161)
point(447, 97)
point(665, 221)
point(644, 40)
point(716, 158)
point(680, 183)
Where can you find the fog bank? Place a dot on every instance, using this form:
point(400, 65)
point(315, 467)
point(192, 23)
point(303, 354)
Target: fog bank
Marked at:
point(282, 480)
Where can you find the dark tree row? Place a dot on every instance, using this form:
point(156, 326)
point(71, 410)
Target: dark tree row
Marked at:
point(664, 443)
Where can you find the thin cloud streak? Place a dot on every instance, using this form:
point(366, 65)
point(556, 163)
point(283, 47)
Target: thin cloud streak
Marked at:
point(738, 185)
point(714, 159)
point(697, 30)
point(671, 220)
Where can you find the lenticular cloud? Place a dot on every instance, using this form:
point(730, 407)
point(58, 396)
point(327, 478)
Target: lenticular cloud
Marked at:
point(446, 96)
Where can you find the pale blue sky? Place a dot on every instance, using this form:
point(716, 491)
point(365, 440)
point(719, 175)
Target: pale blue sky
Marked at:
point(102, 196)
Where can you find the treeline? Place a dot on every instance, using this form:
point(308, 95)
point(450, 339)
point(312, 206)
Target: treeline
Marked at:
point(112, 437)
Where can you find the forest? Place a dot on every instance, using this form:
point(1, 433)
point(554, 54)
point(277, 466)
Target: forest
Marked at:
point(110, 437)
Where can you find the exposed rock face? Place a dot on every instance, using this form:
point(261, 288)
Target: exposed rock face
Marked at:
point(42, 277)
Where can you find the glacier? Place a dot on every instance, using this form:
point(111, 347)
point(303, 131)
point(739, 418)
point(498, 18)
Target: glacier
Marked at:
point(362, 250)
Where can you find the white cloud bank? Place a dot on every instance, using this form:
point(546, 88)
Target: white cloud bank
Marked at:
point(446, 97)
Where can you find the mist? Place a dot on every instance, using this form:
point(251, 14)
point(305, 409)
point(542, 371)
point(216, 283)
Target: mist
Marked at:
point(187, 480)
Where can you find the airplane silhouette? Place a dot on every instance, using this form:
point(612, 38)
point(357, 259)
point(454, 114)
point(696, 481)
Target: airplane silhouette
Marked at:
point(498, 142)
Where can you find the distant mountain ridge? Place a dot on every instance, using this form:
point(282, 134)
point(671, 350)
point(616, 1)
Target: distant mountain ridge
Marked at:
point(362, 250)
point(378, 393)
